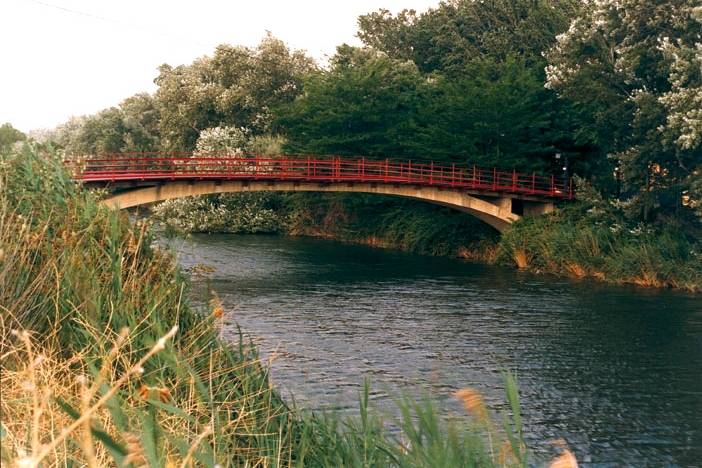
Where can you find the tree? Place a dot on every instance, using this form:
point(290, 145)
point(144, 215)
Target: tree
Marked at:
point(140, 120)
point(497, 114)
point(633, 67)
point(365, 104)
point(485, 66)
point(237, 86)
point(9, 136)
point(448, 37)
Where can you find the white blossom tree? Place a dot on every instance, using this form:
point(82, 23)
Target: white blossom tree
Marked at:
point(635, 68)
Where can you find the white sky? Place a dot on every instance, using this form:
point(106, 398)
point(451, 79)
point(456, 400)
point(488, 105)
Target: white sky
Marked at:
point(73, 57)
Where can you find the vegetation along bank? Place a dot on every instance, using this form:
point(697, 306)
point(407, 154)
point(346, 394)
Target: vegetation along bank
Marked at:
point(608, 91)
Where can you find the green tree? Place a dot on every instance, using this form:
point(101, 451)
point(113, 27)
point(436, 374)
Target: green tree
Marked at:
point(456, 32)
point(633, 67)
point(365, 104)
point(497, 114)
point(9, 136)
point(236, 87)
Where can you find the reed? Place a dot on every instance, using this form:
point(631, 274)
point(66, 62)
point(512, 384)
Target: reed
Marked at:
point(578, 243)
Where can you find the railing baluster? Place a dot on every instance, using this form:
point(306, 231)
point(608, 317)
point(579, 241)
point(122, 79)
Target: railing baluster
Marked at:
point(173, 166)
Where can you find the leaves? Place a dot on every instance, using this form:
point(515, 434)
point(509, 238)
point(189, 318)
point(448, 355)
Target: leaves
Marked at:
point(634, 68)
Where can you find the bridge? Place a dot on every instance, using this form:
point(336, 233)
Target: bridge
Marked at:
point(495, 196)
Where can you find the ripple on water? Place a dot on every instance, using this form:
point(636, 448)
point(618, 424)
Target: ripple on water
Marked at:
point(615, 371)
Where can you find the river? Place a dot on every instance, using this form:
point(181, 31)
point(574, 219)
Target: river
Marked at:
point(614, 371)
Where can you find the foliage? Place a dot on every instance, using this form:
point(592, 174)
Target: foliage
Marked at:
point(9, 136)
point(452, 35)
point(634, 68)
point(366, 104)
point(495, 113)
point(133, 126)
point(74, 276)
point(594, 238)
point(235, 87)
point(229, 141)
point(250, 213)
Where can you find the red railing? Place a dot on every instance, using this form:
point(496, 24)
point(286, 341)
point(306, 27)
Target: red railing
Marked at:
point(176, 166)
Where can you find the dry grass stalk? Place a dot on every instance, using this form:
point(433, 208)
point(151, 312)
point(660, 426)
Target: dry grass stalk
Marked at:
point(564, 460)
point(40, 394)
point(576, 270)
point(521, 258)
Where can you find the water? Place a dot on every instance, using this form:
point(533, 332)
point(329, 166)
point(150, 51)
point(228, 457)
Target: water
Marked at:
point(614, 371)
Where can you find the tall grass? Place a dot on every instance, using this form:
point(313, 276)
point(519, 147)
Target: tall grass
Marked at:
point(602, 246)
point(104, 363)
point(75, 276)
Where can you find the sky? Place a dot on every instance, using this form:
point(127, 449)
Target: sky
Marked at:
point(63, 58)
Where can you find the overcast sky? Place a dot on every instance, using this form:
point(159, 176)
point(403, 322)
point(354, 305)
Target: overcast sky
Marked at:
point(73, 57)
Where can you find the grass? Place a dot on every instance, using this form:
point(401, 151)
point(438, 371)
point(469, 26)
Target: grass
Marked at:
point(573, 242)
point(104, 363)
point(398, 223)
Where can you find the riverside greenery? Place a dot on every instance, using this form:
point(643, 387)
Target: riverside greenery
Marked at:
point(105, 363)
point(613, 86)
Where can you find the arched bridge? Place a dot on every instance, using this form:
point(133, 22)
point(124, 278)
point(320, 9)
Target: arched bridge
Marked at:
point(494, 196)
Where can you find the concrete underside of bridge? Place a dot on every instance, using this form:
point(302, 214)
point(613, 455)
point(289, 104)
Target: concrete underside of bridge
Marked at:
point(497, 211)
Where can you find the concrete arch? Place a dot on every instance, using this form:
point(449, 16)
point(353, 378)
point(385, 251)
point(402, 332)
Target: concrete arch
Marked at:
point(497, 214)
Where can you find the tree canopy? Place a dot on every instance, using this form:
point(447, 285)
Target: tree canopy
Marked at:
point(237, 86)
point(448, 37)
point(9, 135)
point(634, 68)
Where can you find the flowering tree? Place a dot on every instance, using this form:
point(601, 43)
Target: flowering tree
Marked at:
point(236, 86)
point(227, 212)
point(634, 67)
point(230, 141)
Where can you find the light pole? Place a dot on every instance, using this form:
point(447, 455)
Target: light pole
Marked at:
point(564, 160)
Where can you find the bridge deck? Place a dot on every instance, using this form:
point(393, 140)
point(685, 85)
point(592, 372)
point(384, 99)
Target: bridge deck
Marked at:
point(158, 167)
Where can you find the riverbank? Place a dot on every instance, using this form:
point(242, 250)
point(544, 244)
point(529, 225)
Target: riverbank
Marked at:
point(583, 240)
point(105, 362)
